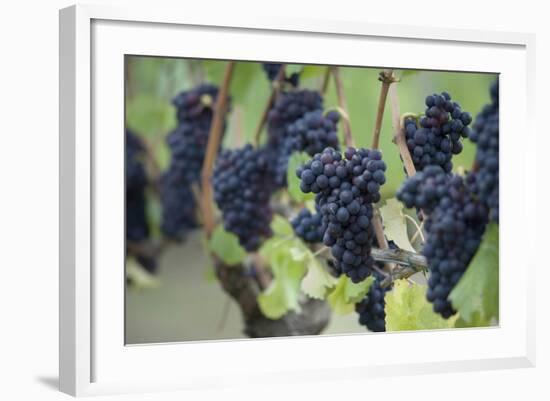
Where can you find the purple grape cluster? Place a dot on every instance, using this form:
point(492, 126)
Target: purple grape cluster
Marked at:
point(454, 228)
point(137, 228)
point(242, 189)
point(437, 135)
point(272, 70)
point(187, 144)
point(194, 106)
point(311, 134)
point(309, 226)
point(485, 134)
point(371, 309)
point(425, 189)
point(345, 187)
point(288, 108)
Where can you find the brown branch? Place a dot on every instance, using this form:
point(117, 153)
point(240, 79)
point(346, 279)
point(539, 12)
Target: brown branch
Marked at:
point(326, 81)
point(263, 276)
point(342, 103)
point(387, 78)
point(400, 272)
point(399, 133)
point(147, 248)
point(153, 163)
point(407, 259)
point(214, 140)
point(276, 87)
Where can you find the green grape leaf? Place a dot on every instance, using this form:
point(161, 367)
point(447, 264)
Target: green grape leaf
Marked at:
point(312, 71)
point(244, 77)
point(395, 225)
point(476, 295)
point(293, 68)
point(225, 245)
point(149, 115)
point(281, 227)
point(293, 182)
point(139, 278)
point(346, 294)
point(283, 293)
point(408, 73)
point(408, 309)
point(318, 281)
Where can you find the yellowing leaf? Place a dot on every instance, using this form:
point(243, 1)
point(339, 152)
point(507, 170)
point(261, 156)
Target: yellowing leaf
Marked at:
point(283, 292)
point(313, 71)
point(225, 245)
point(140, 278)
point(395, 225)
point(281, 226)
point(346, 294)
point(408, 309)
point(150, 115)
point(317, 281)
point(476, 296)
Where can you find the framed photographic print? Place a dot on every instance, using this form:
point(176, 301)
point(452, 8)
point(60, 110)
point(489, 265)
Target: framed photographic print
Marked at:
point(231, 190)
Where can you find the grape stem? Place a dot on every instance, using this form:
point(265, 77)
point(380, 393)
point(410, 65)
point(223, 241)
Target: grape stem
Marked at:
point(399, 133)
point(276, 88)
point(214, 140)
point(342, 104)
point(418, 228)
point(387, 78)
point(326, 80)
point(154, 167)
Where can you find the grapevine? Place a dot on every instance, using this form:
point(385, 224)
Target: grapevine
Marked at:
point(291, 244)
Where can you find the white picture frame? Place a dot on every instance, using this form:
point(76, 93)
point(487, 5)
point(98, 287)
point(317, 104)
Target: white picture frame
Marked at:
point(93, 357)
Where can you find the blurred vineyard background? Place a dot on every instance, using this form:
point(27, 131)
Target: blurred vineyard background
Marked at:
point(184, 301)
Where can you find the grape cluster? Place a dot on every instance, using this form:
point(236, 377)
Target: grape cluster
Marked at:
point(187, 144)
point(242, 189)
point(454, 229)
point(309, 226)
point(371, 309)
point(311, 134)
point(272, 70)
point(195, 105)
point(424, 189)
point(345, 189)
point(137, 228)
point(287, 108)
point(178, 204)
point(436, 137)
point(485, 134)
